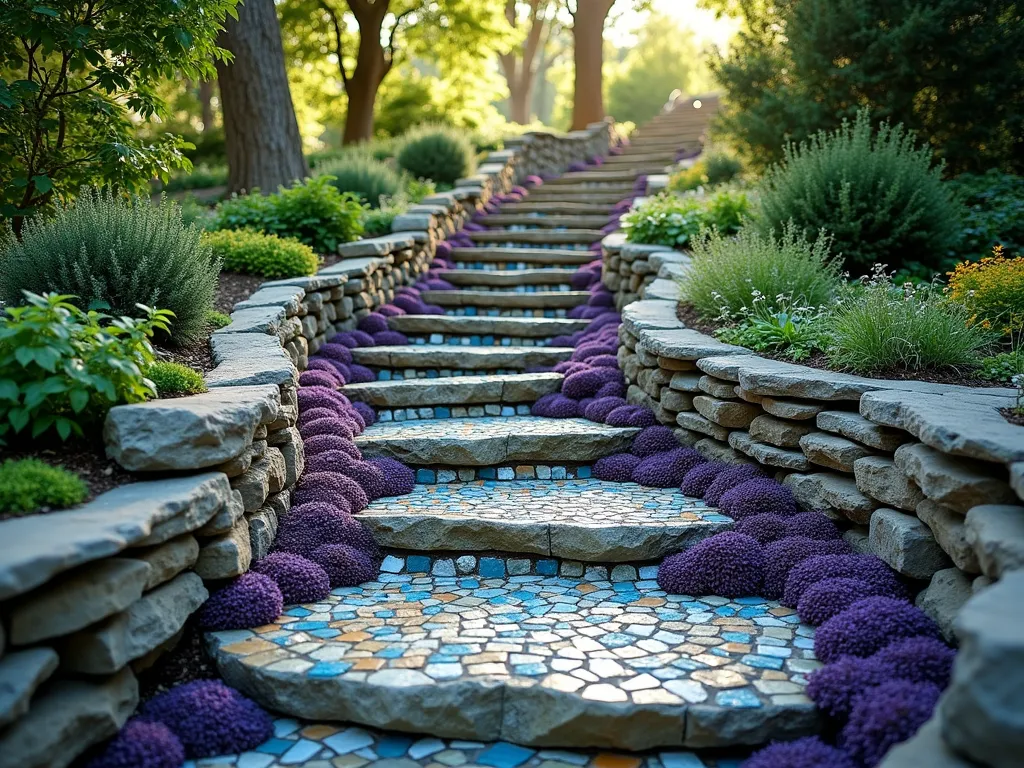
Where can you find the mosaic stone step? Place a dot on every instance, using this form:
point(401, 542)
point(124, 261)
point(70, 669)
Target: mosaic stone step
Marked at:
point(591, 177)
point(507, 299)
point(557, 256)
point(336, 745)
point(508, 278)
point(531, 327)
point(463, 390)
point(555, 207)
point(627, 158)
point(484, 442)
point(586, 520)
point(534, 236)
point(438, 356)
point(546, 222)
point(596, 195)
point(534, 660)
point(477, 411)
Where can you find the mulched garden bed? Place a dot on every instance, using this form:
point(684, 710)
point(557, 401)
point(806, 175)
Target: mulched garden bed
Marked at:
point(86, 460)
point(233, 288)
point(952, 376)
point(1013, 418)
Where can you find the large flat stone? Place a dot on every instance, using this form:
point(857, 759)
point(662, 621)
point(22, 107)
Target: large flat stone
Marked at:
point(168, 560)
point(906, 544)
point(226, 555)
point(952, 424)
point(880, 478)
point(77, 599)
point(685, 344)
point(856, 427)
point(925, 749)
point(768, 454)
point(489, 254)
point(732, 414)
point(824, 490)
point(456, 390)
point(507, 299)
point(377, 246)
point(21, 673)
point(982, 712)
point(468, 325)
point(956, 482)
point(950, 532)
point(287, 297)
point(943, 598)
point(461, 358)
point(250, 359)
point(488, 441)
point(781, 433)
point(41, 546)
point(996, 531)
point(148, 623)
point(832, 451)
point(267, 320)
point(507, 278)
point(649, 315)
point(69, 718)
point(189, 432)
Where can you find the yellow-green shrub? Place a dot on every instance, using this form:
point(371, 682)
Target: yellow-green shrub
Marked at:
point(29, 484)
point(257, 254)
point(173, 379)
point(992, 290)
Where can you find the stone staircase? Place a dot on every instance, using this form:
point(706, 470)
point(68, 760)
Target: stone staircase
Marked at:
point(516, 602)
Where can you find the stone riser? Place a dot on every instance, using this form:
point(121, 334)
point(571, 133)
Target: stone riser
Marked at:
point(555, 207)
point(439, 340)
point(428, 325)
point(559, 288)
point(537, 236)
point(403, 374)
point(444, 475)
point(449, 411)
point(498, 255)
point(500, 220)
point(488, 300)
point(491, 276)
point(475, 312)
point(466, 271)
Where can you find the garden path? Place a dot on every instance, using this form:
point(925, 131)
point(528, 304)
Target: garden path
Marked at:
point(516, 620)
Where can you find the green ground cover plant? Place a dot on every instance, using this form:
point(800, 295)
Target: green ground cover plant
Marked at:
point(28, 485)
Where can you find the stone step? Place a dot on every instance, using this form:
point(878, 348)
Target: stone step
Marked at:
point(507, 278)
point(556, 207)
point(594, 195)
point(597, 659)
point(546, 222)
point(597, 176)
point(507, 299)
point(585, 519)
point(461, 390)
point(498, 255)
point(538, 236)
point(441, 357)
point(638, 158)
point(452, 325)
point(487, 441)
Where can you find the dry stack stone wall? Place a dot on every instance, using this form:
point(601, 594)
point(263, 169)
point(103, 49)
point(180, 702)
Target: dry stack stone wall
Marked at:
point(89, 597)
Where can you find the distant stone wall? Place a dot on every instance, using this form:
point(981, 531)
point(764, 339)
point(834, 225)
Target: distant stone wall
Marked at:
point(928, 477)
point(89, 597)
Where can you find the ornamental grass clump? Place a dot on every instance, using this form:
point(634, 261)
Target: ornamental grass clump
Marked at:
point(253, 253)
point(880, 327)
point(364, 176)
point(876, 192)
point(436, 152)
point(726, 274)
point(113, 254)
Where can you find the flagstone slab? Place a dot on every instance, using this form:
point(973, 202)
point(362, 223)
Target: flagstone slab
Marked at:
point(441, 356)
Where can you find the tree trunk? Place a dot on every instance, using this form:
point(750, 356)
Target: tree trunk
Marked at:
point(520, 100)
point(588, 54)
point(262, 141)
point(371, 66)
point(206, 104)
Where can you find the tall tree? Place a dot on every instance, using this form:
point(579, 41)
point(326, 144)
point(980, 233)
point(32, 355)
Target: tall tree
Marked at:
point(261, 134)
point(451, 33)
point(588, 23)
point(532, 21)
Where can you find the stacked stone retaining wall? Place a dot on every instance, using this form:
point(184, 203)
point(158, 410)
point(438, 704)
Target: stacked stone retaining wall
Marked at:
point(92, 596)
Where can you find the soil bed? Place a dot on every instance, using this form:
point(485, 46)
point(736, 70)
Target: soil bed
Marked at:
point(952, 376)
point(233, 288)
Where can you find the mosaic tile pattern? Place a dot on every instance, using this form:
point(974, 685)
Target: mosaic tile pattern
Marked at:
point(495, 266)
point(489, 426)
point(503, 312)
point(583, 519)
point(329, 745)
point(452, 412)
point(389, 374)
point(431, 475)
point(498, 567)
point(439, 339)
point(581, 645)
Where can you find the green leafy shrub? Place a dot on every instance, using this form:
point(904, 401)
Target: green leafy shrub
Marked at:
point(992, 290)
point(114, 254)
point(777, 325)
point(254, 253)
point(29, 485)
point(878, 195)
point(378, 222)
point(172, 379)
point(673, 220)
point(202, 176)
point(726, 274)
point(311, 211)
point(879, 327)
point(417, 189)
point(436, 152)
point(217, 320)
point(62, 369)
point(994, 215)
point(1004, 366)
point(364, 176)
point(716, 168)
point(195, 212)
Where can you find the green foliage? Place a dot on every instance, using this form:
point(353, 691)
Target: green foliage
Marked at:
point(665, 58)
point(778, 325)
point(992, 290)
point(74, 80)
point(875, 192)
point(253, 253)
point(716, 168)
point(172, 379)
point(368, 178)
point(995, 213)
point(29, 485)
point(202, 176)
point(436, 152)
point(217, 320)
point(951, 70)
point(312, 211)
point(115, 253)
point(62, 369)
point(417, 189)
point(1004, 366)
point(378, 221)
point(879, 327)
point(727, 274)
point(673, 221)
